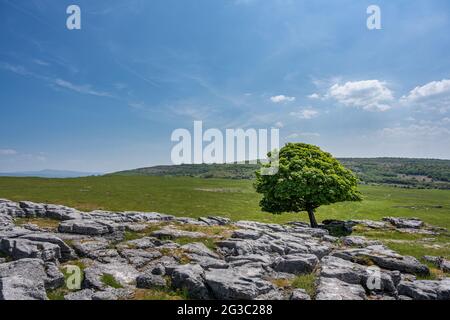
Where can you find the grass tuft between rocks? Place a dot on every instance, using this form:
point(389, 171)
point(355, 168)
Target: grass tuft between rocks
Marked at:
point(109, 280)
point(306, 282)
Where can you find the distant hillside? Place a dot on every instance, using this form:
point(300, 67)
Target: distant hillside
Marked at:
point(49, 174)
point(417, 173)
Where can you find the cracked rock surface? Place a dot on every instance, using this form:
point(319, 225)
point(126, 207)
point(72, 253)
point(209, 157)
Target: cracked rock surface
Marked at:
point(123, 254)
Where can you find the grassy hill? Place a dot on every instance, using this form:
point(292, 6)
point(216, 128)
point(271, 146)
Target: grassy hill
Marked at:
point(416, 173)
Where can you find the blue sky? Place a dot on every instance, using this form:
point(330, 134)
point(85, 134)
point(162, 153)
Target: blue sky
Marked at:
point(107, 97)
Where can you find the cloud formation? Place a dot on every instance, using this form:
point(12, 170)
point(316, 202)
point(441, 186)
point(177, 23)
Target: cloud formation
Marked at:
point(307, 113)
point(372, 95)
point(281, 98)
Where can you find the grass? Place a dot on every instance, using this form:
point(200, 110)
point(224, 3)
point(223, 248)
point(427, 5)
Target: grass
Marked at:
point(185, 196)
point(109, 280)
point(235, 199)
point(159, 294)
point(306, 282)
point(45, 223)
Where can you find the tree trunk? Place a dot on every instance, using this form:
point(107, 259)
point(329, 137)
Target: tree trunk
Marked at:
point(312, 218)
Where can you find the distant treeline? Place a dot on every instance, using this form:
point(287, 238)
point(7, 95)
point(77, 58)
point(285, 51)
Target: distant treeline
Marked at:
point(401, 172)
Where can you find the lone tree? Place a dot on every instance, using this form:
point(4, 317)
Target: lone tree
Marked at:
point(307, 178)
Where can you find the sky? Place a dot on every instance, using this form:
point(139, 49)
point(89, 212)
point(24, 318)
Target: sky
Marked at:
point(107, 97)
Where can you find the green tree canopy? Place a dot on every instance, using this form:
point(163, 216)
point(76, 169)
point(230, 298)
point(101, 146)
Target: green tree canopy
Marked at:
point(307, 178)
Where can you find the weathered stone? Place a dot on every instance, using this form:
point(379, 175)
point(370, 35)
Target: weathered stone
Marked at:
point(190, 277)
point(149, 281)
point(358, 241)
point(439, 262)
point(237, 283)
point(334, 289)
point(89, 227)
point(426, 289)
point(55, 278)
point(246, 234)
point(296, 264)
point(238, 261)
point(215, 221)
point(23, 248)
point(122, 272)
point(171, 233)
point(371, 224)
point(139, 257)
point(85, 294)
point(200, 249)
point(337, 228)
point(67, 253)
point(11, 209)
point(23, 280)
point(384, 258)
point(371, 278)
point(299, 294)
point(61, 212)
point(410, 223)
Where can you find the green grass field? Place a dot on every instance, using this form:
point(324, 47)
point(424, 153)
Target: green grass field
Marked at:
point(236, 199)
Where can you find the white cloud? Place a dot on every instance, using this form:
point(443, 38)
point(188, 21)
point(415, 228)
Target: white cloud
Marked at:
point(314, 96)
point(416, 130)
point(307, 113)
point(7, 152)
point(373, 95)
point(83, 89)
point(281, 98)
point(433, 96)
point(431, 89)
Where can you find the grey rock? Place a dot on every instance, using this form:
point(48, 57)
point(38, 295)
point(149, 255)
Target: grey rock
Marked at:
point(23, 280)
point(207, 262)
point(104, 296)
point(138, 257)
point(215, 221)
point(85, 294)
point(299, 294)
point(296, 264)
point(200, 249)
point(246, 234)
point(370, 278)
point(190, 277)
point(337, 228)
point(237, 283)
point(237, 261)
point(335, 289)
point(122, 272)
point(384, 258)
point(439, 262)
point(371, 224)
point(149, 280)
point(410, 223)
point(55, 278)
point(67, 253)
point(89, 227)
point(11, 209)
point(358, 241)
point(23, 248)
point(171, 233)
point(61, 212)
point(426, 289)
